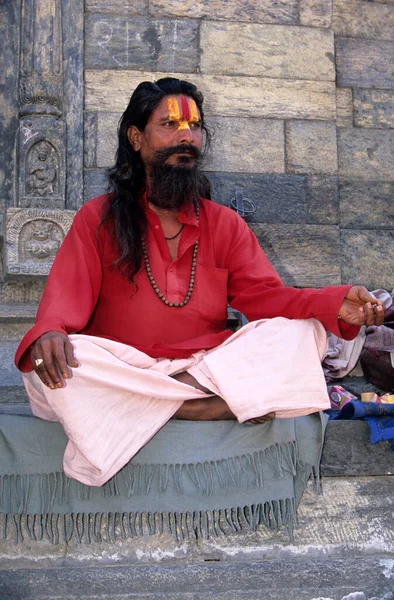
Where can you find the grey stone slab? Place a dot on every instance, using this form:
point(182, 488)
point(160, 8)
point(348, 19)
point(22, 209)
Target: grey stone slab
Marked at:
point(365, 63)
point(10, 376)
point(90, 140)
point(315, 13)
point(73, 36)
point(355, 19)
point(264, 11)
point(322, 199)
point(95, 183)
point(311, 147)
point(126, 7)
point(347, 452)
point(107, 138)
point(278, 198)
point(366, 204)
point(366, 153)
point(9, 36)
point(367, 258)
point(117, 42)
point(278, 579)
point(374, 108)
point(303, 255)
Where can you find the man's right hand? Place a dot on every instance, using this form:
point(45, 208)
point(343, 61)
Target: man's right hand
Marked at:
point(52, 355)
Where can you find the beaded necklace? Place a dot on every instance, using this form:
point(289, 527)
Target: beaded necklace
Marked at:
point(153, 283)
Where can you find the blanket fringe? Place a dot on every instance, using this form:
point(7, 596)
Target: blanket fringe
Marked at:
point(204, 478)
point(110, 527)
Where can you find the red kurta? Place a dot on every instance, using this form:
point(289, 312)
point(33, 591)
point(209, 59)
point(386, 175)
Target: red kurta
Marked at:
point(86, 294)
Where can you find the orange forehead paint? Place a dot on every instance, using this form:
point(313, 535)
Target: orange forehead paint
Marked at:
point(184, 112)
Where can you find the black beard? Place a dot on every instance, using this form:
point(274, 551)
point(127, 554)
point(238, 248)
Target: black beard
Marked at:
point(173, 185)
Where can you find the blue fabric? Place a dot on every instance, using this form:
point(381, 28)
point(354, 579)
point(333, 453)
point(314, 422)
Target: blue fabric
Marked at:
point(380, 418)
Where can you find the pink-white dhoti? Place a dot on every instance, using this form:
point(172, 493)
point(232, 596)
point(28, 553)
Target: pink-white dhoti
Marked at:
point(119, 397)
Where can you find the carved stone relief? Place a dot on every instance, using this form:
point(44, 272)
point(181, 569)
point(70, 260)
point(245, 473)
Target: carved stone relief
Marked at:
point(33, 239)
point(42, 163)
point(21, 292)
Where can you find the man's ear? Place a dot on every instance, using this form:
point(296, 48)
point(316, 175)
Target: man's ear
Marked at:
point(134, 137)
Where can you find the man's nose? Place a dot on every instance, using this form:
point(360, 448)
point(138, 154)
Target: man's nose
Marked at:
point(185, 134)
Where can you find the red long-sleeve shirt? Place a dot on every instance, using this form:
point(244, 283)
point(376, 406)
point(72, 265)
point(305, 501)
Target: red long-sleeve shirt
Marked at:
point(86, 294)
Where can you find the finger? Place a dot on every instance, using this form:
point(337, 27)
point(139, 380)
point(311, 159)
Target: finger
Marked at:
point(51, 356)
point(41, 371)
point(369, 314)
point(69, 349)
point(379, 314)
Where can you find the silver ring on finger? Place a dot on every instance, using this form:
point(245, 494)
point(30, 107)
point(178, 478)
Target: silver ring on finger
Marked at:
point(38, 362)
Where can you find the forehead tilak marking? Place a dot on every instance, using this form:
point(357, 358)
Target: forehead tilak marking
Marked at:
point(183, 113)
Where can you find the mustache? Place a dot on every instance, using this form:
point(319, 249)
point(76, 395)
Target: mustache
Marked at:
point(164, 153)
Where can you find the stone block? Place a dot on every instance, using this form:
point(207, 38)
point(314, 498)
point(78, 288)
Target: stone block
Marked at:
point(311, 147)
point(21, 292)
point(365, 63)
point(10, 376)
point(277, 198)
point(303, 255)
point(96, 183)
point(90, 139)
point(247, 145)
point(107, 138)
point(141, 43)
point(119, 7)
point(110, 91)
point(316, 13)
point(366, 204)
point(322, 200)
point(355, 19)
point(252, 49)
point(344, 107)
point(33, 238)
point(367, 258)
point(374, 108)
point(362, 458)
point(366, 153)
point(264, 11)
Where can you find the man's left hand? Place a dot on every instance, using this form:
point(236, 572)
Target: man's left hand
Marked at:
point(361, 308)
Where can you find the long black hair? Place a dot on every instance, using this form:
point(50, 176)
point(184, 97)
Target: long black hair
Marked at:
point(127, 179)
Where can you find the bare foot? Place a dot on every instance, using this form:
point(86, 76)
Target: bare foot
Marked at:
point(190, 380)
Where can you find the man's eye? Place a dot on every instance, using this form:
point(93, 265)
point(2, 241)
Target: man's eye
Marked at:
point(195, 125)
point(169, 124)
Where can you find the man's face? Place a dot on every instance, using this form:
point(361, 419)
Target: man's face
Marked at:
point(175, 123)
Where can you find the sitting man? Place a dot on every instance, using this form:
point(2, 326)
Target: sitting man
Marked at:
point(142, 283)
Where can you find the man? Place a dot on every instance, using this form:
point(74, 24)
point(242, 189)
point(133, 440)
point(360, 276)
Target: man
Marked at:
point(144, 278)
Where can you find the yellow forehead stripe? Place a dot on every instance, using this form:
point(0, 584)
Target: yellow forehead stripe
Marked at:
point(174, 112)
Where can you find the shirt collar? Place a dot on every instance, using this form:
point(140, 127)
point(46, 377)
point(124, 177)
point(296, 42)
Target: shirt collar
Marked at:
point(186, 214)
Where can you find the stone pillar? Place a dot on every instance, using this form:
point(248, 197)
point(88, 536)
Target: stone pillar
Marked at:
point(37, 223)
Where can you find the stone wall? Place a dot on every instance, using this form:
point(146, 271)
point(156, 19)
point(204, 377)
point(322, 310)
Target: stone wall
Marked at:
point(299, 95)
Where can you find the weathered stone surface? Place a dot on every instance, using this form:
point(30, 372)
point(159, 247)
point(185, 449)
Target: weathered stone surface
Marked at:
point(90, 139)
point(141, 43)
point(367, 258)
point(33, 239)
point(278, 198)
point(119, 7)
point(107, 139)
point(9, 40)
point(362, 457)
point(20, 292)
point(367, 154)
point(278, 580)
point(95, 183)
point(366, 204)
point(311, 147)
point(365, 63)
point(252, 49)
point(322, 200)
point(344, 107)
point(110, 91)
point(374, 108)
point(264, 11)
point(352, 18)
point(73, 85)
point(247, 145)
point(316, 13)
point(303, 255)
point(10, 375)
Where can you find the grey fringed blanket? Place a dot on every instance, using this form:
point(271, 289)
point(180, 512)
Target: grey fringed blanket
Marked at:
point(193, 479)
